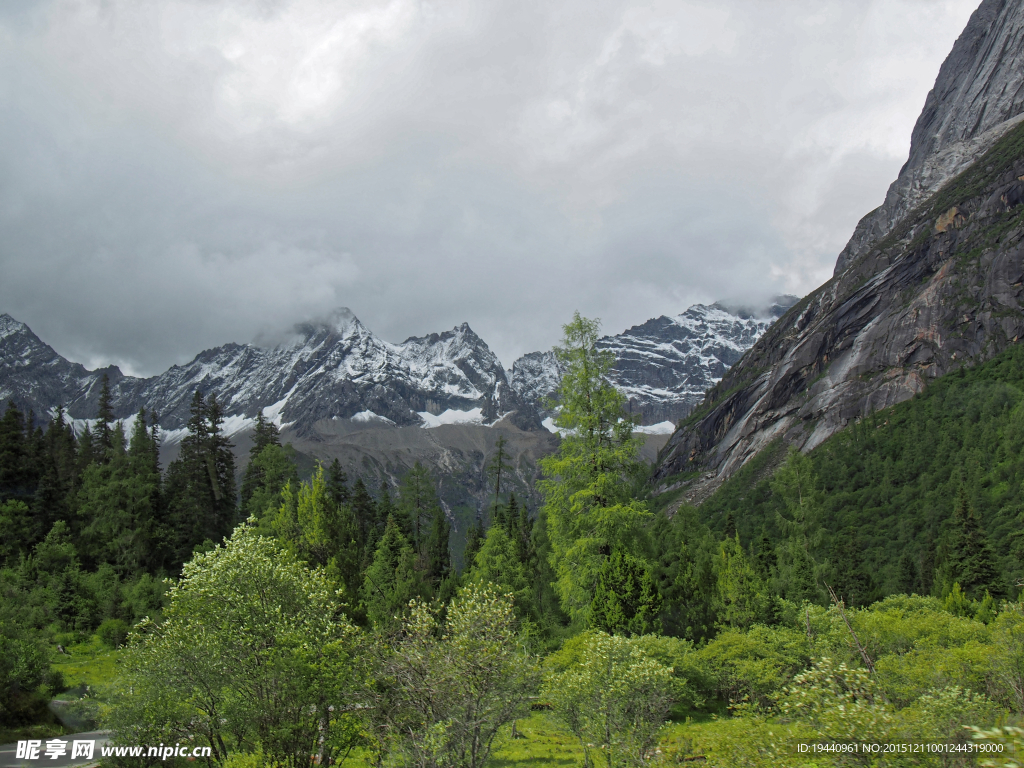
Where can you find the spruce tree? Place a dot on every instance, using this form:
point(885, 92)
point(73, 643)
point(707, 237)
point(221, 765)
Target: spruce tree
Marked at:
point(496, 562)
point(970, 560)
point(474, 540)
point(496, 468)
point(365, 510)
point(626, 599)
point(417, 502)
point(201, 481)
point(438, 557)
point(14, 469)
point(337, 483)
point(264, 433)
point(391, 580)
point(104, 418)
point(907, 582)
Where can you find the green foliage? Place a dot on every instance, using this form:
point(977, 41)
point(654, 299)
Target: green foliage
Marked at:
point(1007, 741)
point(391, 581)
point(588, 487)
point(113, 632)
point(613, 696)
point(268, 473)
point(741, 598)
point(497, 562)
point(200, 484)
point(895, 478)
point(252, 653)
point(754, 665)
point(443, 692)
point(841, 703)
point(626, 599)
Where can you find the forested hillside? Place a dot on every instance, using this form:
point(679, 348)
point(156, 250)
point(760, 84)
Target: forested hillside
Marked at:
point(895, 497)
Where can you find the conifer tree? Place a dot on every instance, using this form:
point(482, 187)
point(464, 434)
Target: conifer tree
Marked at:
point(846, 572)
point(104, 418)
point(497, 467)
point(497, 562)
point(14, 469)
point(391, 580)
point(417, 502)
point(626, 600)
point(588, 487)
point(438, 557)
point(337, 483)
point(474, 540)
point(906, 575)
point(275, 469)
point(741, 598)
point(970, 560)
point(365, 510)
point(764, 557)
point(264, 433)
point(201, 482)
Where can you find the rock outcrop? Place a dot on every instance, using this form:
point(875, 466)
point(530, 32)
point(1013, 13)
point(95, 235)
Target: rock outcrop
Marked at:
point(978, 97)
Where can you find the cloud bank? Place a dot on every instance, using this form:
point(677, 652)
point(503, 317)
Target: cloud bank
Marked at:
point(177, 174)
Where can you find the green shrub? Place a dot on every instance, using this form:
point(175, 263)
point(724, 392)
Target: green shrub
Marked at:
point(113, 632)
point(754, 664)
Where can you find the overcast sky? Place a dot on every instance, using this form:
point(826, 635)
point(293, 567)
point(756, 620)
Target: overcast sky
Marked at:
point(178, 174)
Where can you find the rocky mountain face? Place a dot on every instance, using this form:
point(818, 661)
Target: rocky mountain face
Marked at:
point(332, 370)
point(665, 365)
point(978, 97)
point(938, 284)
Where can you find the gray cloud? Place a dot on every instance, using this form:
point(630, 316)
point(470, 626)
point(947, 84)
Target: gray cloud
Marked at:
point(177, 174)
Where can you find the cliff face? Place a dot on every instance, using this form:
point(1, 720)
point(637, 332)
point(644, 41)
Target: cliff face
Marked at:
point(943, 289)
point(978, 97)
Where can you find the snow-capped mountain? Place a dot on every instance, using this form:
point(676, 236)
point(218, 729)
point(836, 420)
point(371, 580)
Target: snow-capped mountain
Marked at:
point(664, 366)
point(336, 369)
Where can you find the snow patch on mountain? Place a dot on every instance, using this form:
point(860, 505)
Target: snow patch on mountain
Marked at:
point(472, 416)
point(369, 417)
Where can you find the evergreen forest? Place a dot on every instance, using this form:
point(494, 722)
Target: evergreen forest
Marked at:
point(865, 593)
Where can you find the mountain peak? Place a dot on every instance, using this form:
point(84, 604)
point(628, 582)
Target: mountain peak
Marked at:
point(9, 326)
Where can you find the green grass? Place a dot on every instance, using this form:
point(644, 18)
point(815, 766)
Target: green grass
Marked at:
point(90, 664)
